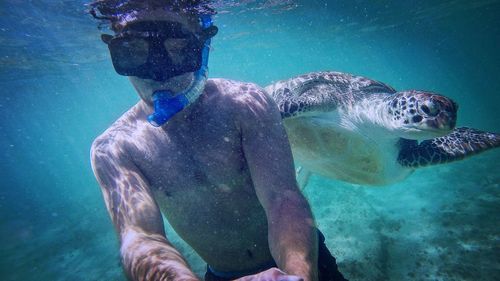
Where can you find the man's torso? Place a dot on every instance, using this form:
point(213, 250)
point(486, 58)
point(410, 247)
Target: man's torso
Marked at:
point(196, 168)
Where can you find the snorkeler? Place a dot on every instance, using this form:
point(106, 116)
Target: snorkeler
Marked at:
point(211, 155)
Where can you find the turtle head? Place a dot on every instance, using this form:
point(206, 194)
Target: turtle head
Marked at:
point(422, 115)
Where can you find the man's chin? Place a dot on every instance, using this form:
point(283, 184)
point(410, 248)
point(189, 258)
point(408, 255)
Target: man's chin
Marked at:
point(177, 84)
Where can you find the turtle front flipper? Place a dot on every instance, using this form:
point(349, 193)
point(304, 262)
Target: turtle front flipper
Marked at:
point(460, 143)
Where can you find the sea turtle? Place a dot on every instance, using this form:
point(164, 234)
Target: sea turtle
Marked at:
point(362, 131)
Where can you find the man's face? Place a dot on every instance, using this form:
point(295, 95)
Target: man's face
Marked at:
point(168, 51)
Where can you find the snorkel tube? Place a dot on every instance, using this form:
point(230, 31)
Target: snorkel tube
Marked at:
point(166, 103)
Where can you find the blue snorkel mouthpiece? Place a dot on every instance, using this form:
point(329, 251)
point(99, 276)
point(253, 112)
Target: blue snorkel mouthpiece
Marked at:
point(166, 103)
point(166, 106)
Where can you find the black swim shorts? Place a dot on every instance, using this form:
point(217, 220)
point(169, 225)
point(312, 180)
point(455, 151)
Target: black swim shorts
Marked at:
point(327, 266)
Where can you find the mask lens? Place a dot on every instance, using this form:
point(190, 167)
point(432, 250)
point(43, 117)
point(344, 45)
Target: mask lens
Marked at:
point(145, 49)
point(175, 45)
point(177, 49)
point(130, 52)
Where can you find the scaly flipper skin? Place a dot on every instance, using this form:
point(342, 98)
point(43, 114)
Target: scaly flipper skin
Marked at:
point(302, 176)
point(460, 143)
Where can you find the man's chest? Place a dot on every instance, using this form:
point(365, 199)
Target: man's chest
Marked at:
point(193, 158)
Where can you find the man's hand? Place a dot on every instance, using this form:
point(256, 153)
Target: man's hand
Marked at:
point(272, 274)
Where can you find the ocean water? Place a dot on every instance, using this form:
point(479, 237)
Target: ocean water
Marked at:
point(59, 91)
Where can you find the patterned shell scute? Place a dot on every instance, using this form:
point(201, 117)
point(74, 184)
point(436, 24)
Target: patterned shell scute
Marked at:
point(322, 92)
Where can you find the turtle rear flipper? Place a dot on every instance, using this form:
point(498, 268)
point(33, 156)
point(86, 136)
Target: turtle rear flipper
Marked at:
point(460, 143)
point(302, 176)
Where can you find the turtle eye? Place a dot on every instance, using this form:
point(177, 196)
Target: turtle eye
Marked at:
point(430, 108)
point(425, 109)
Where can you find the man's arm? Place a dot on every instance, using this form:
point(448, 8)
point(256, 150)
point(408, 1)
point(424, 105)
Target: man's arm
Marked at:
point(146, 253)
point(292, 233)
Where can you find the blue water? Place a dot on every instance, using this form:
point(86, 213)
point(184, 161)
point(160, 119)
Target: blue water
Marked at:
point(59, 91)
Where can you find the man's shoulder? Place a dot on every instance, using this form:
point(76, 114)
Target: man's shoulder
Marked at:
point(237, 93)
point(116, 137)
point(247, 102)
point(231, 86)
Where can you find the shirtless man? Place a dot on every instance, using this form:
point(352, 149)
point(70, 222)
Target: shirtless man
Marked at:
point(214, 159)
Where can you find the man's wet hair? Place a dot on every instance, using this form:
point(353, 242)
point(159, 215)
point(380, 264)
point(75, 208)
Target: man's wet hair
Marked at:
point(114, 11)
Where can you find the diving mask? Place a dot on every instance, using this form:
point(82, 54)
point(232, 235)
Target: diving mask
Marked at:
point(157, 50)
